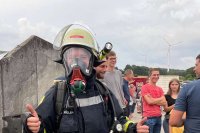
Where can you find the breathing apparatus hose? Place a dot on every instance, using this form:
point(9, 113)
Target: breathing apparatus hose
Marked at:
point(116, 125)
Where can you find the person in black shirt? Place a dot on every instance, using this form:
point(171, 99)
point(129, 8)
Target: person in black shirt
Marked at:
point(174, 87)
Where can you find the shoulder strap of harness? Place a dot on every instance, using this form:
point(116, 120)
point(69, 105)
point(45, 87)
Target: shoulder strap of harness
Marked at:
point(60, 94)
point(103, 89)
point(105, 92)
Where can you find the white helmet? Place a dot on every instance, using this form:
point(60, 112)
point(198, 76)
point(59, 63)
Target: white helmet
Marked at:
point(75, 35)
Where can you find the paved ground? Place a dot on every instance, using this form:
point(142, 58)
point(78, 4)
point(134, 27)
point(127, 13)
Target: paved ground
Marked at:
point(138, 117)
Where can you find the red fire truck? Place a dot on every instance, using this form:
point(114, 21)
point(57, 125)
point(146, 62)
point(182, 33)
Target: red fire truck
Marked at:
point(139, 81)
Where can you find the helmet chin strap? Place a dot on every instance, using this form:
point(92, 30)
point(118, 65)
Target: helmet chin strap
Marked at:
point(77, 82)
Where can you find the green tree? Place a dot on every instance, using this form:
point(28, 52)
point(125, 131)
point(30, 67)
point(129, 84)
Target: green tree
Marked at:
point(140, 70)
point(189, 74)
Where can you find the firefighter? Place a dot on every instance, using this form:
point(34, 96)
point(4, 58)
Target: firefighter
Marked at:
point(79, 103)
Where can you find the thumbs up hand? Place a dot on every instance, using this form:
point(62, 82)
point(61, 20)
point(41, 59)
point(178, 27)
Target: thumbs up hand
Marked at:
point(33, 122)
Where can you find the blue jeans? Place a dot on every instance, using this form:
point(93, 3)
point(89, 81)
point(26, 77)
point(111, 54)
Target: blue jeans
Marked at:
point(166, 125)
point(154, 124)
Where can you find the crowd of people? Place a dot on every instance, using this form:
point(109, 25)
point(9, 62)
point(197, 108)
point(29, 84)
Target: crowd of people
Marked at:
point(95, 97)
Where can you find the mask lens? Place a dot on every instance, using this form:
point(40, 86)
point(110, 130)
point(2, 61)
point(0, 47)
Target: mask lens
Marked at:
point(80, 57)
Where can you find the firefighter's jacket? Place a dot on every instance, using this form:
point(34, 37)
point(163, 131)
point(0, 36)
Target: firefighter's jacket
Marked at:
point(93, 113)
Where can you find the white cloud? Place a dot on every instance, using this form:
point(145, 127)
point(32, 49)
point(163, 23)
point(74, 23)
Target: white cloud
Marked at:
point(188, 61)
point(12, 35)
point(26, 28)
point(136, 28)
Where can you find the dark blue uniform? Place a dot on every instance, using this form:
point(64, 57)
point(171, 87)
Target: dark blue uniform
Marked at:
point(93, 113)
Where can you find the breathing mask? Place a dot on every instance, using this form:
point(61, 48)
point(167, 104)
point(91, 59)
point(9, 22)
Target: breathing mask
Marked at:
point(78, 63)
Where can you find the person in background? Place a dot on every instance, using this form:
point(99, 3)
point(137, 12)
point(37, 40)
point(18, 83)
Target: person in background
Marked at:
point(128, 74)
point(188, 101)
point(139, 103)
point(153, 98)
point(101, 70)
point(114, 81)
point(177, 129)
point(172, 93)
point(132, 91)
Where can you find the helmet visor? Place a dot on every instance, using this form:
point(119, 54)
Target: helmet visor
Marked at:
point(78, 57)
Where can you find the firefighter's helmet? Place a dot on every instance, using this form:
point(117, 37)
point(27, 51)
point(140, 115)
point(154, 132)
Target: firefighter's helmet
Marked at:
point(75, 35)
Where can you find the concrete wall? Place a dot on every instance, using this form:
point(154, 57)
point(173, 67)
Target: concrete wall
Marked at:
point(164, 81)
point(25, 74)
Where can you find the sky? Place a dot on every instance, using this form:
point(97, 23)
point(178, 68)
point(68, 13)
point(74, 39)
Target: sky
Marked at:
point(142, 31)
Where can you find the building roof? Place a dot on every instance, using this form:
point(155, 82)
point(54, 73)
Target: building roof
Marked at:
point(2, 55)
